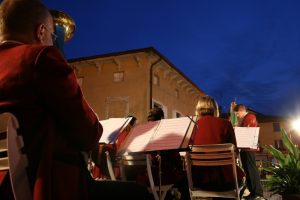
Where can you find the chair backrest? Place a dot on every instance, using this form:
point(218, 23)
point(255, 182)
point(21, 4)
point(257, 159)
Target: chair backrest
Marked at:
point(3, 142)
point(211, 155)
point(17, 160)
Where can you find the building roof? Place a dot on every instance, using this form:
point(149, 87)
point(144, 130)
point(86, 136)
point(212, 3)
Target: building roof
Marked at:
point(148, 49)
point(261, 118)
point(271, 118)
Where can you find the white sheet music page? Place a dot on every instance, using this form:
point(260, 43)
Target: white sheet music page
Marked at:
point(139, 137)
point(111, 129)
point(170, 134)
point(246, 137)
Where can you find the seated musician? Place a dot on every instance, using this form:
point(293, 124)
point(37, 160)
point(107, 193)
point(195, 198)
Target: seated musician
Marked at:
point(171, 164)
point(57, 124)
point(213, 130)
point(100, 170)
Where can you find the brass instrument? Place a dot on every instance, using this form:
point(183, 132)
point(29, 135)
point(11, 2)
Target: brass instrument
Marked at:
point(61, 19)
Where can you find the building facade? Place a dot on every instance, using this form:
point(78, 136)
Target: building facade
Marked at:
point(132, 82)
point(270, 131)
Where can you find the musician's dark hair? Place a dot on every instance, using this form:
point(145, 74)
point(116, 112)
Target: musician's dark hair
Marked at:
point(133, 120)
point(240, 106)
point(155, 114)
point(21, 16)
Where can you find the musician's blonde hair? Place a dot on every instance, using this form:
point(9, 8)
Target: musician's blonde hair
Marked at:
point(207, 106)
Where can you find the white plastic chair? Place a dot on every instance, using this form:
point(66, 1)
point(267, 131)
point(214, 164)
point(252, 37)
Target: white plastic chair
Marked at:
point(144, 160)
point(212, 155)
point(17, 160)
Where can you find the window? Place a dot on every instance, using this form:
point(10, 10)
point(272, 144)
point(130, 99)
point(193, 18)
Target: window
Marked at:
point(157, 105)
point(178, 115)
point(160, 105)
point(276, 127)
point(155, 80)
point(118, 76)
point(278, 144)
point(116, 106)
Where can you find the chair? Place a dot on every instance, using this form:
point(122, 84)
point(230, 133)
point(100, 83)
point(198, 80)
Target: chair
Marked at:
point(211, 155)
point(17, 160)
point(159, 192)
point(3, 143)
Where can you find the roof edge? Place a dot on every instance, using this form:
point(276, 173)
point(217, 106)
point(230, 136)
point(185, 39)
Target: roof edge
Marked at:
point(111, 54)
point(147, 49)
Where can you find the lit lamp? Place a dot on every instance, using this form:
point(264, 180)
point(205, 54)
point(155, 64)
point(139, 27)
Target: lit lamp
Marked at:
point(295, 129)
point(296, 125)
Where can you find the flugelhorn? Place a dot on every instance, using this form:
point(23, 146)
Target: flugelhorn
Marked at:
point(64, 27)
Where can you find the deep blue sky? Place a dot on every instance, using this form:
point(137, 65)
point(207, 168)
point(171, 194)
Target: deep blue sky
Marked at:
point(248, 50)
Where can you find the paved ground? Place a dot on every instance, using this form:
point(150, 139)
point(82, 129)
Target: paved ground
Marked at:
point(267, 194)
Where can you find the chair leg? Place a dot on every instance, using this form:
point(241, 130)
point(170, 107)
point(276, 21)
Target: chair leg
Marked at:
point(163, 195)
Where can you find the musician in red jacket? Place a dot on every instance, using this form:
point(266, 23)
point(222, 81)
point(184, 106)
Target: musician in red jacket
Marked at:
point(39, 87)
point(100, 170)
point(171, 164)
point(213, 130)
point(248, 159)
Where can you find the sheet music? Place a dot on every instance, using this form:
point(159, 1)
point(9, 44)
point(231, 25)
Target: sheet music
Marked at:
point(166, 134)
point(139, 137)
point(170, 134)
point(246, 137)
point(112, 128)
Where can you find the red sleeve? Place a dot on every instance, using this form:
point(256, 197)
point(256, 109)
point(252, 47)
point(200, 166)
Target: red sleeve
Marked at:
point(57, 85)
point(249, 121)
point(230, 133)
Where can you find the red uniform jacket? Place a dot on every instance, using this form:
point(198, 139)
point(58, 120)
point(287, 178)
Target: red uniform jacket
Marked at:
point(40, 89)
point(249, 120)
point(212, 130)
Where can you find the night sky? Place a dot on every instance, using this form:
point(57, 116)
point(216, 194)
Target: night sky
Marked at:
point(243, 50)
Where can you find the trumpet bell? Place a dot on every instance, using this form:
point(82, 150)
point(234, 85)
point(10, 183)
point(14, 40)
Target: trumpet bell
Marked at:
point(63, 20)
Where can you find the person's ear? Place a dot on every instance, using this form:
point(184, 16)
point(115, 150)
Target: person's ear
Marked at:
point(40, 33)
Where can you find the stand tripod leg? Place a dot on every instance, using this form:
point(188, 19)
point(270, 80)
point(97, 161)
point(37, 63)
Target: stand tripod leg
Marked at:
point(159, 173)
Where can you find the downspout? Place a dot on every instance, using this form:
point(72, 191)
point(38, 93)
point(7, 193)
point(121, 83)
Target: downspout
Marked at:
point(151, 74)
